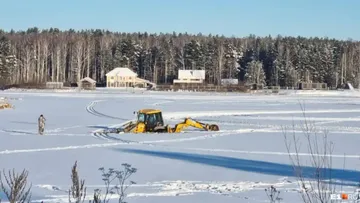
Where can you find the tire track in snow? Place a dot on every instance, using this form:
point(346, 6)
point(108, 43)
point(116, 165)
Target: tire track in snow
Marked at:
point(179, 115)
point(162, 102)
point(100, 134)
point(47, 132)
point(59, 148)
point(319, 127)
point(258, 127)
point(154, 143)
point(90, 109)
point(126, 142)
point(123, 142)
point(338, 121)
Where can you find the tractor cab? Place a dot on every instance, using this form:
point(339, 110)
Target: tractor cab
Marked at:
point(151, 118)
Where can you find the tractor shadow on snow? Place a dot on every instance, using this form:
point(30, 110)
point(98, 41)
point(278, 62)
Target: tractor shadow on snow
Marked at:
point(269, 168)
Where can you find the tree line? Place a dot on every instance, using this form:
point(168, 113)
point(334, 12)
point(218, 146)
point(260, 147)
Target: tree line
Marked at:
point(51, 55)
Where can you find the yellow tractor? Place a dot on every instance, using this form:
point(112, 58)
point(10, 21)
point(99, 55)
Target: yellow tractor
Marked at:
point(151, 120)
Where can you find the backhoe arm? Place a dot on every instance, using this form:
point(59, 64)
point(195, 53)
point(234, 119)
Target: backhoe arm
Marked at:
point(196, 124)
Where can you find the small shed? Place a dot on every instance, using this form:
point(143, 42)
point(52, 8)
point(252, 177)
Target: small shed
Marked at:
point(87, 83)
point(229, 81)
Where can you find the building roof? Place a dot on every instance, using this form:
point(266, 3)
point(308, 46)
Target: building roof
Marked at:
point(121, 72)
point(90, 80)
point(191, 74)
point(140, 80)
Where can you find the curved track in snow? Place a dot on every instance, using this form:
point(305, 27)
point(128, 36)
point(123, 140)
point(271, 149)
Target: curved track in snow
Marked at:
point(215, 116)
point(90, 109)
point(122, 142)
point(116, 140)
point(246, 125)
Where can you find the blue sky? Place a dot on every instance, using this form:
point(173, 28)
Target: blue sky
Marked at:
point(332, 18)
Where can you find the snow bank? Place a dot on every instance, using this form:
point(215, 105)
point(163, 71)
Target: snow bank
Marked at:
point(327, 93)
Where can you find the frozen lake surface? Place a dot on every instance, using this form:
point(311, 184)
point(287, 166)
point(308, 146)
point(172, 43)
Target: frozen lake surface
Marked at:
point(235, 164)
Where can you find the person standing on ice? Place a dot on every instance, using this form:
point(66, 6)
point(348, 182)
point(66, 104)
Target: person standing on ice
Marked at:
point(41, 122)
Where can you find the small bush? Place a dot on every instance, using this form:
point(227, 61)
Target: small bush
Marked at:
point(273, 194)
point(77, 190)
point(14, 186)
point(117, 176)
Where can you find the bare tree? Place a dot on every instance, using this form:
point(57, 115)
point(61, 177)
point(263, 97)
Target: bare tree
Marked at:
point(44, 59)
point(120, 177)
point(14, 186)
point(317, 186)
point(90, 49)
point(79, 51)
point(64, 47)
point(104, 45)
point(56, 76)
point(28, 52)
point(220, 60)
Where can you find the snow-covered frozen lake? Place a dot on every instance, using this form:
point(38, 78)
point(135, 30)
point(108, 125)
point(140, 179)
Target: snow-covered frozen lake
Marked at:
point(236, 164)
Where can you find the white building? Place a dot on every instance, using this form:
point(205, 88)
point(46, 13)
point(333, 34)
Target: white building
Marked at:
point(124, 77)
point(120, 77)
point(190, 76)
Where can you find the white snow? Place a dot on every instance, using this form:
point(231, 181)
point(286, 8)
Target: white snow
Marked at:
point(235, 164)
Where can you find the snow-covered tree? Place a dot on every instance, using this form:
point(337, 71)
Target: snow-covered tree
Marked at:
point(232, 56)
point(255, 73)
point(8, 62)
point(194, 56)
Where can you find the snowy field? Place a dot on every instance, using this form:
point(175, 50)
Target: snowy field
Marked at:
point(236, 164)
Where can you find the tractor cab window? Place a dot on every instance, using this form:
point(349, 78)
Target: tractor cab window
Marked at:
point(141, 117)
point(158, 118)
point(152, 119)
